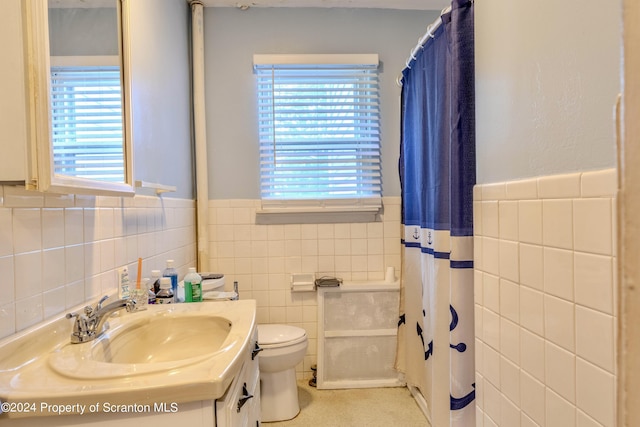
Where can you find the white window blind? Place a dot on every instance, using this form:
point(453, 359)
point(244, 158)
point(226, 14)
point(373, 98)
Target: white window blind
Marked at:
point(86, 115)
point(319, 131)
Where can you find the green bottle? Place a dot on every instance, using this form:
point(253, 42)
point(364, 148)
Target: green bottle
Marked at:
point(192, 286)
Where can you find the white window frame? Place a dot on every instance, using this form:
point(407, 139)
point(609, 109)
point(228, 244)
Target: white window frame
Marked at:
point(368, 166)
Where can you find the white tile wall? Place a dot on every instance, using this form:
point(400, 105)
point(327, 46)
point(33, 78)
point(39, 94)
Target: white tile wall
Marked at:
point(59, 251)
point(262, 257)
point(545, 307)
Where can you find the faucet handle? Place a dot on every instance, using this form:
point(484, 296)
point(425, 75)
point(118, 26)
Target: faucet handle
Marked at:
point(103, 299)
point(81, 329)
point(90, 311)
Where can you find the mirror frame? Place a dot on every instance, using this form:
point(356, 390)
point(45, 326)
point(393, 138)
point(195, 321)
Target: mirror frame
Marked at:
point(40, 148)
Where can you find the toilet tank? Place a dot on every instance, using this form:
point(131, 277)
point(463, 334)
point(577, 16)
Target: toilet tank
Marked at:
point(212, 282)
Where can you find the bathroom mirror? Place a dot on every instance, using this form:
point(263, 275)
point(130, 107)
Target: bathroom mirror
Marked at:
point(79, 96)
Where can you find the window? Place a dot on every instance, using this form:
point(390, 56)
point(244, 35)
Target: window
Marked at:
point(319, 132)
point(86, 122)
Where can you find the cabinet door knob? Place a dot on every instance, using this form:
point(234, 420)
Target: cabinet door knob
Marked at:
point(245, 396)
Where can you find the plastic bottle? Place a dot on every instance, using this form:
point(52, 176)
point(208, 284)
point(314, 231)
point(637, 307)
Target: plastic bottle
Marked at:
point(192, 286)
point(165, 295)
point(171, 272)
point(151, 294)
point(155, 280)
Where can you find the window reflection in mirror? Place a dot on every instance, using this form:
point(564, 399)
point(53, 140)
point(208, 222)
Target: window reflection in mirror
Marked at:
point(87, 132)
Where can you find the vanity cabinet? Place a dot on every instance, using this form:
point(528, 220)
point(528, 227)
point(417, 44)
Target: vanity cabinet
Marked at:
point(135, 394)
point(240, 405)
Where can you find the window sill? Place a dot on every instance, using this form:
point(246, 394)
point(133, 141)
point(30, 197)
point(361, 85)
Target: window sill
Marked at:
point(317, 216)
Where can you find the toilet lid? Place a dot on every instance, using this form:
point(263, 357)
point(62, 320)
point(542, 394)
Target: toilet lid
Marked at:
point(280, 334)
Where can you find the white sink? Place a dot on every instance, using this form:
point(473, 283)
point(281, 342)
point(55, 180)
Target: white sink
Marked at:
point(190, 352)
point(162, 339)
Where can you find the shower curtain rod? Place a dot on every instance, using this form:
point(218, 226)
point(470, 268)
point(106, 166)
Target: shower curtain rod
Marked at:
point(431, 29)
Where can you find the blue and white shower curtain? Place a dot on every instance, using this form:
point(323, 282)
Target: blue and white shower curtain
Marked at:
point(437, 172)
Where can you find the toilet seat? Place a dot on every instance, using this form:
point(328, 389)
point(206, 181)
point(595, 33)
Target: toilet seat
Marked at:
point(273, 336)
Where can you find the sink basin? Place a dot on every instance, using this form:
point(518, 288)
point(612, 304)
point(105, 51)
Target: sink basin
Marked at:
point(162, 339)
point(190, 352)
point(152, 341)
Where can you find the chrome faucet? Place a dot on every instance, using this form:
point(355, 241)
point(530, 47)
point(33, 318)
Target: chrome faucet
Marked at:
point(93, 322)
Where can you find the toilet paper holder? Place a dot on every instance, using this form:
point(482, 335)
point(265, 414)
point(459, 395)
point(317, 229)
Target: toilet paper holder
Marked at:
point(303, 282)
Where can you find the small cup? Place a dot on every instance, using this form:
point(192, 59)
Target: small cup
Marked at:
point(140, 297)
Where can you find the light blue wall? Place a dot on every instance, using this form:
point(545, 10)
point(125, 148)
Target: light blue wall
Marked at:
point(160, 37)
point(232, 37)
point(547, 78)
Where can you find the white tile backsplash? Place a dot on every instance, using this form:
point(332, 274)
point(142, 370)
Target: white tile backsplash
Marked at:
point(525, 421)
point(522, 190)
point(510, 340)
point(492, 399)
point(559, 412)
point(532, 397)
point(559, 322)
point(53, 268)
point(532, 354)
point(509, 260)
point(558, 273)
point(559, 186)
point(599, 183)
point(510, 380)
point(508, 224)
point(509, 300)
point(8, 294)
point(593, 276)
point(29, 311)
point(59, 251)
point(52, 228)
point(530, 221)
point(509, 412)
point(491, 292)
point(496, 191)
point(491, 255)
point(16, 197)
point(532, 310)
point(560, 371)
point(27, 230)
point(584, 420)
point(594, 337)
point(28, 275)
point(531, 266)
point(557, 314)
point(490, 224)
point(6, 232)
point(592, 220)
point(491, 329)
point(595, 392)
point(262, 257)
point(557, 223)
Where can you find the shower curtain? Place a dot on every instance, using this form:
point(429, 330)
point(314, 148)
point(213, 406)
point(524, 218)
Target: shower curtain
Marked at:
point(437, 174)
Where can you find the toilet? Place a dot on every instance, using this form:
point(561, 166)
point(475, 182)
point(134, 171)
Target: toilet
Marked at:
point(283, 347)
